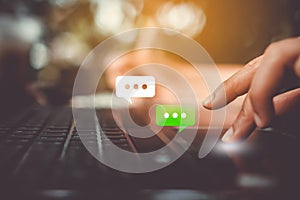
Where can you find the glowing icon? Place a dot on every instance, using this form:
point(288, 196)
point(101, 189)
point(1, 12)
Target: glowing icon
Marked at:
point(173, 115)
point(128, 87)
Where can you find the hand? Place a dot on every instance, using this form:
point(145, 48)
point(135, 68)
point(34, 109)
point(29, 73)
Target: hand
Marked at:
point(272, 84)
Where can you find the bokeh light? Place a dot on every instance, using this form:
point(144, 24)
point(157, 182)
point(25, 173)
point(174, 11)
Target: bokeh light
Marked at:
point(184, 17)
point(39, 55)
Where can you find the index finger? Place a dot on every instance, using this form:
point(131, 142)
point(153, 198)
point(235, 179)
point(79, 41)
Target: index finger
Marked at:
point(238, 84)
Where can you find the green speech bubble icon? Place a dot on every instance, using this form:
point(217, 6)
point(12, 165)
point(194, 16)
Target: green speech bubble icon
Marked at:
point(175, 115)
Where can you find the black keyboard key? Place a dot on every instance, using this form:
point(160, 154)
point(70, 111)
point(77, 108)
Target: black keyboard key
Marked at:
point(8, 152)
point(36, 162)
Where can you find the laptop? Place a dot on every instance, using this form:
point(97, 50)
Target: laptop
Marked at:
point(43, 157)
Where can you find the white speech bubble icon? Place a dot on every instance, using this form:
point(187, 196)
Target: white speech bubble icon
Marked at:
point(128, 87)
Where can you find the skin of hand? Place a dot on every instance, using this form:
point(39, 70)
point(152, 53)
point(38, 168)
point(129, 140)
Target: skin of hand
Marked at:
point(263, 80)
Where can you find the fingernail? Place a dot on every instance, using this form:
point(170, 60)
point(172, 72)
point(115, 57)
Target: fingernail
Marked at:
point(227, 136)
point(207, 102)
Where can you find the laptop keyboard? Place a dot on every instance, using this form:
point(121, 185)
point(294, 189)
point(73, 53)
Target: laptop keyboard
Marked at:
point(43, 137)
point(40, 150)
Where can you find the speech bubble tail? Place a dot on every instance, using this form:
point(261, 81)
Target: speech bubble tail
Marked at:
point(181, 129)
point(130, 101)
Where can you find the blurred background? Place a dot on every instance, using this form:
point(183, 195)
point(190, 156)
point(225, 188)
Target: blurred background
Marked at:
point(43, 42)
